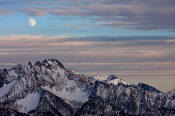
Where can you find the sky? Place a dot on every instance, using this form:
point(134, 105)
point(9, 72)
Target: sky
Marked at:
point(126, 37)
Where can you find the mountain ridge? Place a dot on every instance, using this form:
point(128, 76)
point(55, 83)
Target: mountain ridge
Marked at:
point(47, 87)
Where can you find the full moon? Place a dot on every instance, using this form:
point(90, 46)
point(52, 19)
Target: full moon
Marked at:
point(32, 22)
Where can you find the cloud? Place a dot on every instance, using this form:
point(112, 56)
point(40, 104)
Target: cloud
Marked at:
point(39, 40)
point(5, 11)
point(134, 54)
point(130, 14)
point(114, 49)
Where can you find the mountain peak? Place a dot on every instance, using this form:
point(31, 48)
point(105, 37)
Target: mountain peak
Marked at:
point(148, 87)
point(49, 62)
point(111, 77)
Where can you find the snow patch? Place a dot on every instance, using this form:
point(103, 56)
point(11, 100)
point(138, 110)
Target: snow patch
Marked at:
point(116, 81)
point(6, 88)
point(103, 77)
point(102, 92)
point(28, 103)
point(12, 73)
point(78, 95)
point(128, 91)
point(61, 72)
point(173, 103)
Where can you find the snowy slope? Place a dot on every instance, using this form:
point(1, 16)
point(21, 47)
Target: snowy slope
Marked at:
point(28, 103)
point(6, 88)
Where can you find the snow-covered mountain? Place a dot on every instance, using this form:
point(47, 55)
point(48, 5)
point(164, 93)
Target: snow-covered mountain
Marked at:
point(48, 88)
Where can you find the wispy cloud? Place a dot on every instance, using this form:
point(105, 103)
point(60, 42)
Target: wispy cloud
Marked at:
point(132, 14)
point(92, 54)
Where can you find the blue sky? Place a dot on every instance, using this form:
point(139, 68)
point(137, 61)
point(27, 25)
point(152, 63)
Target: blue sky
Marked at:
point(118, 36)
point(52, 25)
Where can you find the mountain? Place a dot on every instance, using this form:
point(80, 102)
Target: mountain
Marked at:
point(48, 88)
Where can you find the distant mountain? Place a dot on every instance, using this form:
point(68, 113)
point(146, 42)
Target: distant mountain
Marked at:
point(48, 88)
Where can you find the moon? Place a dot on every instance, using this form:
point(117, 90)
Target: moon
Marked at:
point(32, 22)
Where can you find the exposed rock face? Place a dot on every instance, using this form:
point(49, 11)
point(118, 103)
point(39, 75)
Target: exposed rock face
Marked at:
point(99, 107)
point(53, 105)
point(48, 88)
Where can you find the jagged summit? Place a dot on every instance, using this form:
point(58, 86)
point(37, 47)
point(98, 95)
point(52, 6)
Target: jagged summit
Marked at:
point(44, 62)
point(49, 62)
point(112, 77)
point(47, 87)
